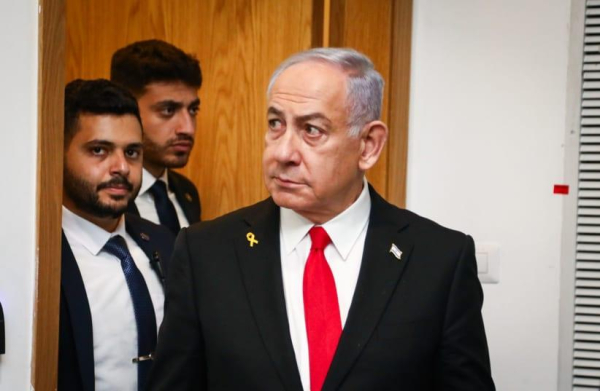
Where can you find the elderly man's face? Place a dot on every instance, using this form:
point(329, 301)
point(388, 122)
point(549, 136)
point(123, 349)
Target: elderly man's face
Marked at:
point(310, 164)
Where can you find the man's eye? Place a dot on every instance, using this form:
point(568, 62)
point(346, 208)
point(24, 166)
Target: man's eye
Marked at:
point(194, 111)
point(167, 111)
point(98, 150)
point(313, 131)
point(132, 153)
point(275, 124)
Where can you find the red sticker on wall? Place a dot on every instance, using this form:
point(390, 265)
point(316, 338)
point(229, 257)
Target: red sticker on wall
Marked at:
point(561, 189)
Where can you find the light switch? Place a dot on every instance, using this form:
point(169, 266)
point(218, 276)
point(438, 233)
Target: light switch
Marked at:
point(482, 262)
point(488, 262)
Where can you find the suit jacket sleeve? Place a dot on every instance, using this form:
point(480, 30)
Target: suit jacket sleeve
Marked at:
point(463, 363)
point(179, 358)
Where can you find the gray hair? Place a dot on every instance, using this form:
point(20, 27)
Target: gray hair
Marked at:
point(364, 88)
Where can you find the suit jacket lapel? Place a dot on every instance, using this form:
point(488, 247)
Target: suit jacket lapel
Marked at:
point(132, 208)
point(80, 315)
point(147, 245)
point(380, 272)
point(184, 199)
point(260, 264)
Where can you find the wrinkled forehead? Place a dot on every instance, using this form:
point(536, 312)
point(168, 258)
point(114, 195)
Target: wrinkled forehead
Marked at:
point(311, 79)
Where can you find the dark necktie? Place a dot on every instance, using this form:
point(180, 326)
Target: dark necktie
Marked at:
point(164, 207)
point(321, 309)
point(145, 318)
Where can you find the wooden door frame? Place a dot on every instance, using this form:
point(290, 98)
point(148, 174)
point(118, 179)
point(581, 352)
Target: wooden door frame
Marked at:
point(399, 84)
point(326, 30)
point(51, 85)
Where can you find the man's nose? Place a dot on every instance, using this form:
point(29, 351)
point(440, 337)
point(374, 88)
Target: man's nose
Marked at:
point(287, 148)
point(119, 163)
point(186, 124)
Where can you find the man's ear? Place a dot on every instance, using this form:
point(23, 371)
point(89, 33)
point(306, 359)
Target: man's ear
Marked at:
point(372, 139)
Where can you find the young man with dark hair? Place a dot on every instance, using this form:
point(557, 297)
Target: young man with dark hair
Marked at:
point(165, 81)
point(111, 294)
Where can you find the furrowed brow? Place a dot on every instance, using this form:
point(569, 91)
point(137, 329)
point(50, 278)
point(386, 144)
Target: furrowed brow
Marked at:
point(100, 143)
point(311, 117)
point(274, 111)
point(135, 145)
point(167, 103)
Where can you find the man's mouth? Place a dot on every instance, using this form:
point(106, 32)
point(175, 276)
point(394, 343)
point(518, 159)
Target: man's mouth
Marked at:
point(285, 182)
point(117, 190)
point(116, 186)
point(182, 146)
point(183, 143)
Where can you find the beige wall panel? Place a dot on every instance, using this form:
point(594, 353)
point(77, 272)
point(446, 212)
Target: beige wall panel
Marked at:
point(238, 43)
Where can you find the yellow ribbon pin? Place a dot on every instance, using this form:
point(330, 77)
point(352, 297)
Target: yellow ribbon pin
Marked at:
point(250, 237)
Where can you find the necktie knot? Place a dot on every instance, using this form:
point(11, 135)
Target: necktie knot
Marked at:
point(319, 238)
point(159, 189)
point(117, 247)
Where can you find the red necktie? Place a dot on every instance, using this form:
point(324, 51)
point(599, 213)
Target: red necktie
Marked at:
point(321, 309)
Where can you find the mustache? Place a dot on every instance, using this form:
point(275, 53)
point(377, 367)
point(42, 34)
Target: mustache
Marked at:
point(181, 137)
point(118, 180)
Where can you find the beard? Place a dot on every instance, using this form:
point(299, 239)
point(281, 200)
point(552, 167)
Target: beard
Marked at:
point(84, 195)
point(158, 154)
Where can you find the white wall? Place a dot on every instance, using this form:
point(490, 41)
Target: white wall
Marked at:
point(18, 149)
point(487, 124)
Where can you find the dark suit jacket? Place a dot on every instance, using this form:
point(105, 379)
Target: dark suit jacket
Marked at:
point(76, 347)
point(186, 194)
point(414, 324)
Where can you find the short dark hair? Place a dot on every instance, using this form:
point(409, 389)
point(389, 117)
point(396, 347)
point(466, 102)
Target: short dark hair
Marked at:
point(144, 62)
point(99, 97)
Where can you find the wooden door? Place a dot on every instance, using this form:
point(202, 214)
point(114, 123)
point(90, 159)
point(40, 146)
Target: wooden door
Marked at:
point(239, 44)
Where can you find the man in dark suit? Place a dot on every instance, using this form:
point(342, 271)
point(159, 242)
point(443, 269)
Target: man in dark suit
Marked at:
point(112, 265)
point(325, 285)
point(165, 81)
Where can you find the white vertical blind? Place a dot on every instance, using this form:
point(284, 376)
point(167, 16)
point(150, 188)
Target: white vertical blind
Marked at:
point(586, 344)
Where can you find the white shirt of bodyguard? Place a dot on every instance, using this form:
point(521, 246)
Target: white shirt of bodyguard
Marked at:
point(113, 319)
point(347, 232)
point(145, 201)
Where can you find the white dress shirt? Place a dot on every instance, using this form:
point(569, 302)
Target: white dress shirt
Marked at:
point(344, 255)
point(145, 201)
point(113, 319)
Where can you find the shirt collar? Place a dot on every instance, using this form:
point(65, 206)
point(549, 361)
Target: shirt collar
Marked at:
point(88, 234)
point(149, 179)
point(343, 229)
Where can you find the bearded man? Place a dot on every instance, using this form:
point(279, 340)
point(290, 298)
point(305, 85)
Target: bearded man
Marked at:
point(112, 265)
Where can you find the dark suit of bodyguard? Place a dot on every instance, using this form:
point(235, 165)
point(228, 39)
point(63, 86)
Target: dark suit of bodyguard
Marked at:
point(182, 194)
point(113, 265)
point(323, 286)
point(76, 357)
